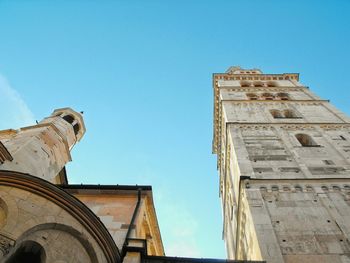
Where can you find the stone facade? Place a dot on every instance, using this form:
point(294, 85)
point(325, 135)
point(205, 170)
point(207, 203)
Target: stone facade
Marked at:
point(45, 219)
point(284, 164)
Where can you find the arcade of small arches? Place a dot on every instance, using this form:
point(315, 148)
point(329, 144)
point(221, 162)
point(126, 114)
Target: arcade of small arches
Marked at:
point(284, 114)
point(267, 84)
point(268, 96)
point(306, 188)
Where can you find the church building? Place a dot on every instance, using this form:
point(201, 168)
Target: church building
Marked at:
point(44, 219)
point(283, 156)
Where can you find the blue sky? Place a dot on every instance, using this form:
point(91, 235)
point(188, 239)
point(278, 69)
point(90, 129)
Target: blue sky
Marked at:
point(141, 71)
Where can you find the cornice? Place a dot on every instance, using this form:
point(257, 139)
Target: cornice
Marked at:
point(290, 125)
point(263, 89)
point(271, 77)
point(67, 202)
point(276, 101)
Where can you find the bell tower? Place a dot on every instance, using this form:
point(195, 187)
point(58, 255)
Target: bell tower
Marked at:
point(44, 149)
point(283, 156)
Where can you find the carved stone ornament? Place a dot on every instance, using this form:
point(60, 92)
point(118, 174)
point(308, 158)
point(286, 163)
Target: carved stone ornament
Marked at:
point(5, 244)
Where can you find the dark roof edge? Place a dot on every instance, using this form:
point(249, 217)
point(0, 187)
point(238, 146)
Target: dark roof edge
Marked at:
point(107, 187)
point(208, 260)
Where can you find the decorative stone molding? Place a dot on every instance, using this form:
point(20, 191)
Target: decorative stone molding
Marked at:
point(5, 244)
point(262, 89)
point(228, 76)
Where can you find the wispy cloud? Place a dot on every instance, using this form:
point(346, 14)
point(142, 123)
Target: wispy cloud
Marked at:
point(14, 111)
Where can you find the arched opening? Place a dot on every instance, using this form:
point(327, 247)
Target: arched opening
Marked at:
point(252, 96)
point(28, 252)
point(68, 118)
point(271, 84)
point(276, 114)
point(258, 84)
point(289, 114)
point(245, 84)
point(267, 96)
point(282, 96)
point(306, 140)
point(76, 128)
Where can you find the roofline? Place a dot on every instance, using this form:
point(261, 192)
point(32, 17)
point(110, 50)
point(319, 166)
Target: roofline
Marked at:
point(106, 187)
point(186, 259)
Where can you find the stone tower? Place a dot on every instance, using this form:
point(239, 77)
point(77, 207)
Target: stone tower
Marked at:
point(283, 156)
point(44, 219)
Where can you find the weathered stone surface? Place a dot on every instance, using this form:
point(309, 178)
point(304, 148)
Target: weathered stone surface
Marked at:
point(283, 159)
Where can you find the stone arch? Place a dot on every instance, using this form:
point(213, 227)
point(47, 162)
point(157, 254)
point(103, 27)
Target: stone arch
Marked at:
point(267, 96)
point(245, 84)
point(282, 96)
point(271, 84)
point(305, 140)
point(28, 251)
point(64, 210)
point(258, 84)
point(276, 114)
point(290, 114)
point(68, 118)
point(54, 238)
point(252, 96)
point(9, 212)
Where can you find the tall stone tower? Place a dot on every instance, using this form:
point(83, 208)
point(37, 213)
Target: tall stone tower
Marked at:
point(283, 156)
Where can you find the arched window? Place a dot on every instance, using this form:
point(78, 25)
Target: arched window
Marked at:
point(306, 140)
point(76, 128)
point(289, 114)
point(29, 252)
point(276, 114)
point(267, 96)
point(68, 118)
point(271, 84)
point(252, 96)
point(245, 84)
point(258, 84)
point(282, 96)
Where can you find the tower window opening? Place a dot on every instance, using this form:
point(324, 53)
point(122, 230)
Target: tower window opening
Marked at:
point(276, 114)
point(282, 96)
point(306, 140)
point(290, 114)
point(252, 96)
point(245, 84)
point(76, 128)
point(29, 252)
point(258, 84)
point(298, 188)
point(68, 118)
point(267, 96)
point(271, 84)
